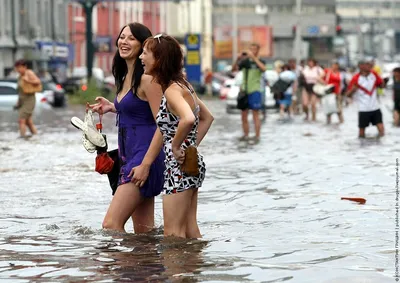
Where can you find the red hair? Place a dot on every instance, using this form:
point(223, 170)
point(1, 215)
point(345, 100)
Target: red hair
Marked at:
point(168, 57)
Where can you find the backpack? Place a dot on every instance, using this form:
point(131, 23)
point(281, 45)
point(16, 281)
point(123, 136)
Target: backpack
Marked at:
point(280, 86)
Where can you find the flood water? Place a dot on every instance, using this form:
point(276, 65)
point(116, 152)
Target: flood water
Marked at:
point(269, 212)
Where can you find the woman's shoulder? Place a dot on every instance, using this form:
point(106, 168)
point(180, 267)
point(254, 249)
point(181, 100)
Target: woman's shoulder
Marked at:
point(174, 87)
point(146, 79)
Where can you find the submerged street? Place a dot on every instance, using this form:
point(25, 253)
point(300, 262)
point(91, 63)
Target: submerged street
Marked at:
point(269, 212)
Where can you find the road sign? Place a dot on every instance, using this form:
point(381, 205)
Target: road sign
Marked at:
point(193, 58)
point(313, 30)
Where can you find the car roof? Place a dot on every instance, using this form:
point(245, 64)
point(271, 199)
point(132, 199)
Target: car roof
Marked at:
point(8, 83)
point(14, 80)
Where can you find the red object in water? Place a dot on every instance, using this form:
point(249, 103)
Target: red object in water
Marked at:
point(359, 200)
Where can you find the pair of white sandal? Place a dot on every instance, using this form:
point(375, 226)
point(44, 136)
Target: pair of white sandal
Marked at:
point(91, 138)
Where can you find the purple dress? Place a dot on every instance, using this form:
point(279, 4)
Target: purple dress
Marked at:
point(136, 128)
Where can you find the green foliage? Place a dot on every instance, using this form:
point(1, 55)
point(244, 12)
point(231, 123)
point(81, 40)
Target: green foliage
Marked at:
point(89, 94)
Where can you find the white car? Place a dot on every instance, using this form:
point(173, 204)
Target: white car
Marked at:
point(231, 99)
point(9, 97)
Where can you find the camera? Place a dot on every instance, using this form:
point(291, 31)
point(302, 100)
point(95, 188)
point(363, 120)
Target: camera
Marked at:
point(244, 53)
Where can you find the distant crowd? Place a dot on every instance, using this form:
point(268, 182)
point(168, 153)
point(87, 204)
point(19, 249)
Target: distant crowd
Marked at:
point(298, 89)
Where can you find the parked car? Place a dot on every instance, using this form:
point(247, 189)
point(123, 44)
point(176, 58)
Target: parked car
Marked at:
point(9, 97)
point(78, 81)
point(225, 88)
point(54, 93)
point(73, 84)
point(231, 99)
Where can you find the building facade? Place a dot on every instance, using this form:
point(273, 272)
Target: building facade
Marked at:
point(370, 27)
point(188, 17)
point(33, 30)
point(108, 18)
point(317, 21)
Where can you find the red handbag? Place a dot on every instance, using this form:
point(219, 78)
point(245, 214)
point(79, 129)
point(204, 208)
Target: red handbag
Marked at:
point(104, 163)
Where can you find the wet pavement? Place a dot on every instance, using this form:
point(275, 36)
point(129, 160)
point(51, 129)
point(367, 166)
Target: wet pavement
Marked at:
point(269, 212)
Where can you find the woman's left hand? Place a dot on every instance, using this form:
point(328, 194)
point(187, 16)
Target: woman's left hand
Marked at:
point(179, 154)
point(139, 174)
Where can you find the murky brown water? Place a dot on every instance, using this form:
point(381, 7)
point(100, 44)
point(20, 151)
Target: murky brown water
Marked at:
point(269, 212)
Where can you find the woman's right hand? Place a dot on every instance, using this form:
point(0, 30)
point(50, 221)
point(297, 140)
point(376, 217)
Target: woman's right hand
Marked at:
point(102, 106)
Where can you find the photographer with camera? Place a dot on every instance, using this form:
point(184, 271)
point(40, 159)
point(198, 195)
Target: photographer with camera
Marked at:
point(250, 96)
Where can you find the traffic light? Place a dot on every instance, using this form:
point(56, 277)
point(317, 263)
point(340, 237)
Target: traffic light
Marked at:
point(339, 30)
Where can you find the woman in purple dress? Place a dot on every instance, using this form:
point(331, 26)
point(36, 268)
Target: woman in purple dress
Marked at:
point(139, 141)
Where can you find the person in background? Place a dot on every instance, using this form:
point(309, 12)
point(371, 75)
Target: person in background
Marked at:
point(333, 76)
point(396, 97)
point(26, 101)
point(288, 76)
point(278, 68)
point(253, 68)
point(312, 74)
point(296, 96)
point(208, 76)
point(350, 72)
point(378, 71)
point(364, 85)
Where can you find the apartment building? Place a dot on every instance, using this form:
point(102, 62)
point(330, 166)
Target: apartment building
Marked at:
point(34, 30)
point(194, 16)
point(318, 23)
point(108, 18)
point(370, 27)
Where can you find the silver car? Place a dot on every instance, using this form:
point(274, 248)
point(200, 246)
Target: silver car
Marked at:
point(9, 97)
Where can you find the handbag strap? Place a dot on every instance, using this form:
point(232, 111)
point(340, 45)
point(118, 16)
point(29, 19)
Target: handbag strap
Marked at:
point(245, 79)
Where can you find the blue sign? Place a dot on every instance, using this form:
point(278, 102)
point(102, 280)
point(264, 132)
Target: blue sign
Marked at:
point(54, 50)
point(103, 43)
point(193, 60)
point(71, 53)
point(313, 30)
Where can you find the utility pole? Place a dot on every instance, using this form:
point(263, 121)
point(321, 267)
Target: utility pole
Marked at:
point(13, 30)
point(88, 7)
point(234, 32)
point(52, 20)
point(297, 41)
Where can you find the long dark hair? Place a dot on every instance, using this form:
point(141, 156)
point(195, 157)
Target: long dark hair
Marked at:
point(168, 65)
point(119, 67)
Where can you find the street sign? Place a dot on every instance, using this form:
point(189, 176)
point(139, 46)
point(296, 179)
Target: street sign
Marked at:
point(313, 30)
point(193, 58)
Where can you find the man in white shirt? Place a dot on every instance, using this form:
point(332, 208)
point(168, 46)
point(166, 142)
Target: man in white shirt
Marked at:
point(364, 84)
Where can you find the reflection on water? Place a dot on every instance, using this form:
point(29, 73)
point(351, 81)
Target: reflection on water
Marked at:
point(269, 212)
point(123, 257)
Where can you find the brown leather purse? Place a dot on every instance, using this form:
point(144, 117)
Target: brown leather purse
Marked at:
point(190, 165)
